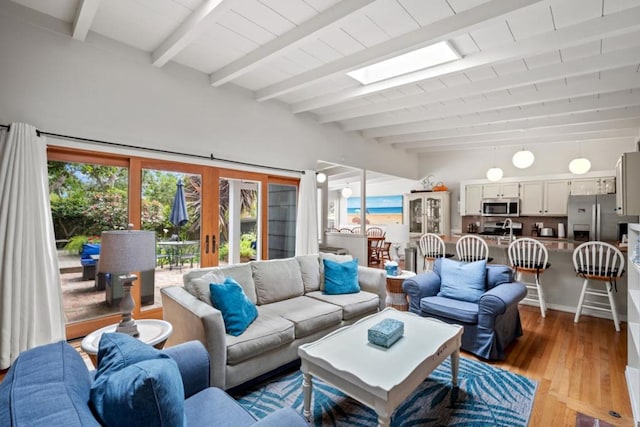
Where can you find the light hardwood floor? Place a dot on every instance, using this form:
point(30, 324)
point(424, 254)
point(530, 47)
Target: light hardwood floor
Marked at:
point(579, 367)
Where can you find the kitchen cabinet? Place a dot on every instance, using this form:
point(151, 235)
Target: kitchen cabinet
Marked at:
point(473, 199)
point(532, 198)
point(505, 189)
point(556, 194)
point(588, 186)
point(627, 178)
point(632, 372)
point(544, 197)
point(427, 212)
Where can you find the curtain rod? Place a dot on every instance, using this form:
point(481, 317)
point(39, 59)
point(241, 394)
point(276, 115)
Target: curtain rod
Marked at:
point(157, 150)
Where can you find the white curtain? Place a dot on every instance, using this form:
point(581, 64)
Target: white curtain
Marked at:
point(31, 310)
point(307, 219)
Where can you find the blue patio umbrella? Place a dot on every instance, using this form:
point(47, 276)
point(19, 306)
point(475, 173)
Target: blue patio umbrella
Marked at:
point(179, 215)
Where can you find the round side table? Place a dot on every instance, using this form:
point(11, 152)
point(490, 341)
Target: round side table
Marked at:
point(152, 331)
point(396, 297)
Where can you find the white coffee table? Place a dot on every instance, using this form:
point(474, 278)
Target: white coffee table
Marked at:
point(380, 378)
point(152, 331)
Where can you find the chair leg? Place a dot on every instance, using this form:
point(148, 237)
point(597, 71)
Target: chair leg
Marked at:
point(581, 301)
point(614, 311)
point(543, 305)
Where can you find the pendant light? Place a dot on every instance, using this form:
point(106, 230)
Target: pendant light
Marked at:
point(346, 192)
point(523, 159)
point(494, 173)
point(579, 165)
point(321, 177)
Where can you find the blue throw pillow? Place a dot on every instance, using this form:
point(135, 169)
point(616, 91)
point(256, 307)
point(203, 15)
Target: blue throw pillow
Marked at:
point(340, 278)
point(464, 281)
point(237, 310)
point(117, 351)
point(147, 393)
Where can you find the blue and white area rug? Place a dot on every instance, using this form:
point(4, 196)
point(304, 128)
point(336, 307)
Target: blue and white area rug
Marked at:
point(487, 396)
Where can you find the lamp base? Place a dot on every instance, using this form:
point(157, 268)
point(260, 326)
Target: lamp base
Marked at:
point(127, 325)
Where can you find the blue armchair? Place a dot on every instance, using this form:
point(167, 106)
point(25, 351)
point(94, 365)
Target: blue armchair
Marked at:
point(490, 325)
point(88, 263)
point(50, 385)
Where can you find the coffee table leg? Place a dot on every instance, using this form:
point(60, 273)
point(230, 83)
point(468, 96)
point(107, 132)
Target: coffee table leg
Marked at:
point(455, 359)
point(384, 414)
point(306, 388)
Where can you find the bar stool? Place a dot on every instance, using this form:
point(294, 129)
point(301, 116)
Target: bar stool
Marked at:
point(529, 256)
point(472, 248)
point(432, 247)
point(601, 262)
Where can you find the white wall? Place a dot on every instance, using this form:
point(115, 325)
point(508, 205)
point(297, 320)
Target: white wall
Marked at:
point(101, 89)
point(455, 166)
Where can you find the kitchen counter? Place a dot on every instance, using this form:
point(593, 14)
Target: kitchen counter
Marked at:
point(561, 284)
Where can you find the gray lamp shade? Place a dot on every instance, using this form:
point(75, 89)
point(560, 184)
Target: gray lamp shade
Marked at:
point(126, 251)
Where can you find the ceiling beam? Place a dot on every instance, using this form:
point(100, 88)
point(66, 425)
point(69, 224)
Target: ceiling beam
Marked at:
point(454, 130)
point(550, 94)
point(630, 125)
point(188, 30)
point(595, 29)
point(444, 29)
point(582, 66)
point(618, 100)
point(288, 41)
point(85, 14)
point(531, 142)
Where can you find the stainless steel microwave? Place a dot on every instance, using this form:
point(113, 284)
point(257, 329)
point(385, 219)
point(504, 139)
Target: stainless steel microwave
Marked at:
point(501, 207)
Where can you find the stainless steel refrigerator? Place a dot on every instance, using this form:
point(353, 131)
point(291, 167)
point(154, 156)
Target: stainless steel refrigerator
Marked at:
point(594, 218)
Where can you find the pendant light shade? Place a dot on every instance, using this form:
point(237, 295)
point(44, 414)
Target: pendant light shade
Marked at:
point(523, 159)
point(321, 177)
point(579, 166)
point(494, 174)
point(346, 192)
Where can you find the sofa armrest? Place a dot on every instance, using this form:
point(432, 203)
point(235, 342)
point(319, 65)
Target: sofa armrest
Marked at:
point(419, 286)
point(496, 301)
point(284, 417)
point(373, 280)
point(192, 319)
point(193, 362)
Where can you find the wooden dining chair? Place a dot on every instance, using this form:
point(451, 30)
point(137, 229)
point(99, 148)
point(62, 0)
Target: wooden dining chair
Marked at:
point(375, 232)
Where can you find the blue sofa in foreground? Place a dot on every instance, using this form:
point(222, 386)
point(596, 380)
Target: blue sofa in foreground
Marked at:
point(488, 311)
point(50, 385)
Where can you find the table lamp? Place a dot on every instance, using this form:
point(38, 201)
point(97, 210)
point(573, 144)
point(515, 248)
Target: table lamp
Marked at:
point(125, 251)
point(397, 234)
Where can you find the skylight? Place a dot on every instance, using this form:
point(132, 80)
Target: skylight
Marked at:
point(425, 57)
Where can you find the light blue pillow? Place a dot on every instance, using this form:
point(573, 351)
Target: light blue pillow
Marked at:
point(147, 393)
point(340, 278)
point(464, 281)
point(237, 310)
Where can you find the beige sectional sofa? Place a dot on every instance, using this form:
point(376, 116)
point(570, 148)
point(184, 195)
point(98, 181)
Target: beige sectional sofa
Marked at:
point(292, 310)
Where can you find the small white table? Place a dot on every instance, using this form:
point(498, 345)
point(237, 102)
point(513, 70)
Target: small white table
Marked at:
point(152, 331)
point(396, 297)
point(381, 378)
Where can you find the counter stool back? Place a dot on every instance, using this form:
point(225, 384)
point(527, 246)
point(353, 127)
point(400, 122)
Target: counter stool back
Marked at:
point(529, 256)
point(472, 248)
point(431, 247)
point(599, 262)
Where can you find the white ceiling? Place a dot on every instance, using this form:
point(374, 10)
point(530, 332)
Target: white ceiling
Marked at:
point(532, 72)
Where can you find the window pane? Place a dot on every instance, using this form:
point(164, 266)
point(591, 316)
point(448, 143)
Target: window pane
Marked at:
point(282, 220)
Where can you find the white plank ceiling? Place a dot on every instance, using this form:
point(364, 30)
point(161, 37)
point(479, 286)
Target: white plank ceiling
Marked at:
point(531, 71)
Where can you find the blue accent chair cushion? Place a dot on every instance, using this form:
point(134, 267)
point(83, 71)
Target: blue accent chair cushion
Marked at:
point(340, 277)
point(89, 249)
point(463, 281)
point(238, 312)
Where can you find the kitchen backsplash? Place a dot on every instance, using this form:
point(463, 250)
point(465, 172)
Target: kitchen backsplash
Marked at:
point(528, 222)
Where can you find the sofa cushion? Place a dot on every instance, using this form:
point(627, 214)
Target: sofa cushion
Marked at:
point(145, 393)
point(54, 376)
point(267, 332)
point(353, 305)
point(463, 281)
point(241, 273)
point(310, 270)
point(200, 285)
point(212, 406)
point(277, 280)
point(332, 257)
point(237, 311)
point(461, 311)
point(341, 278)
point(308, 315)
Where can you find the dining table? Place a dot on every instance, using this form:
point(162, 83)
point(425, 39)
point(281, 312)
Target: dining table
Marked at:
point(177, 250)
